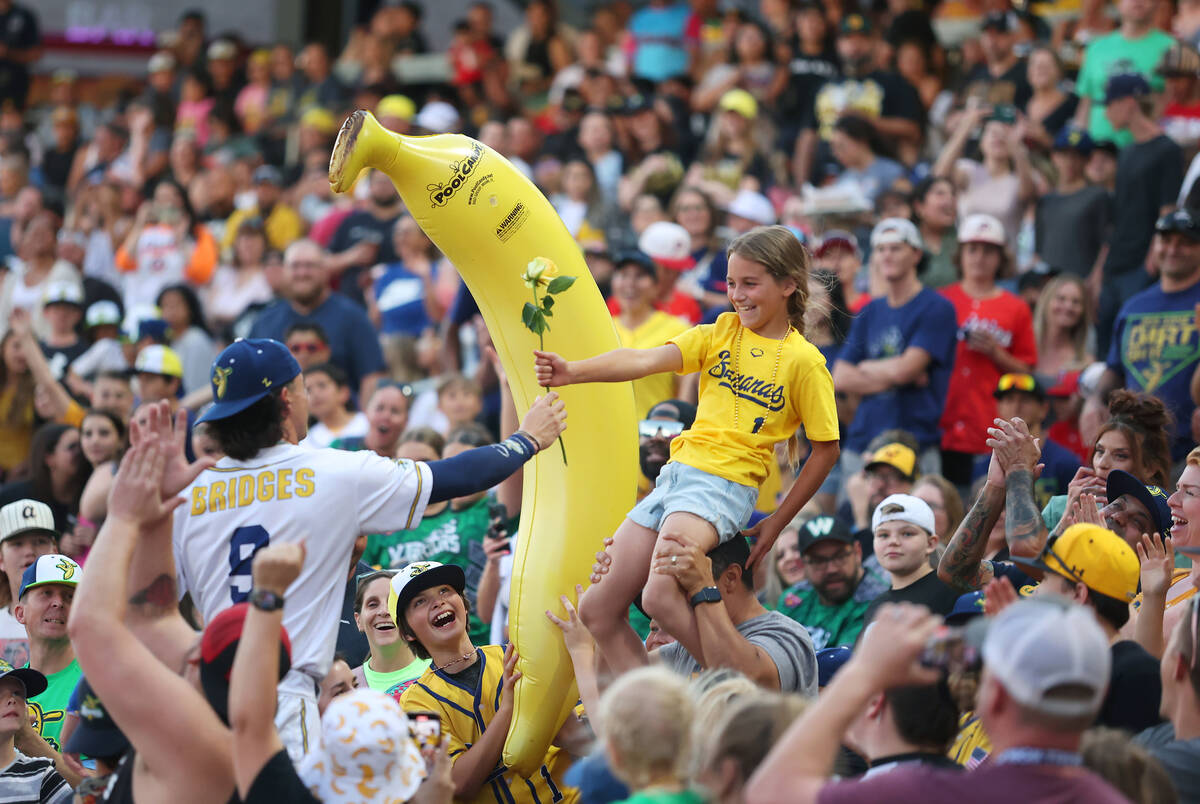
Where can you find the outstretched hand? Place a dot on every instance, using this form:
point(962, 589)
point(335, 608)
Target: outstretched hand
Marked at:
point(154, 423)
point(546, 419)
point(575, 633)
point(550, 369)
point(136, 491)
point(1157, 558)
point(762, 538)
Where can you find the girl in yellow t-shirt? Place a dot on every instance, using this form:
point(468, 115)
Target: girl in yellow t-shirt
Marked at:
point(760, 380)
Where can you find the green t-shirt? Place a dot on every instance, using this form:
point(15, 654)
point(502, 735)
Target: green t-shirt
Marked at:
point(48, 710)
point(831, 626)
point(448, 537)
point(397, 681)
point(1113, 54)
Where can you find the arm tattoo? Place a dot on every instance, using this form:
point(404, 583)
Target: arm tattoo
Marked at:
point(157, 599)
point(1023, 526)
point(962, 564)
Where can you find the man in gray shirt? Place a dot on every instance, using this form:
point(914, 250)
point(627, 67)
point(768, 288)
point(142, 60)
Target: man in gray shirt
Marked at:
point(1177, 744)
point(733, 628)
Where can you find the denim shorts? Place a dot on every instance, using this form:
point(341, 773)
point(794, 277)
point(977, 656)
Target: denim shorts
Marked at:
point(725, 505)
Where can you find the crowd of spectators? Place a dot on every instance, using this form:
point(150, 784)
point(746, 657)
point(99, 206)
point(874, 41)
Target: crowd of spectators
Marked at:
point(989, 595)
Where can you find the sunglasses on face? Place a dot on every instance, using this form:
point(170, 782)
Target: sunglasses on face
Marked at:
point(310, 348)
point(655, 428)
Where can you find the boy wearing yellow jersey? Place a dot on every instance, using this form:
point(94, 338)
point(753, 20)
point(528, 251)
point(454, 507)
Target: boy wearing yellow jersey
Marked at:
point(470, 688)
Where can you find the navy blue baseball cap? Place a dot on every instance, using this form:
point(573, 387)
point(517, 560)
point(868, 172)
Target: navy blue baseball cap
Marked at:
point(966, 608)
point(97, 734)
point(1071, 138)
point(1126, 85)
point(829, 661)
point(248, 370)
point(1155, 499)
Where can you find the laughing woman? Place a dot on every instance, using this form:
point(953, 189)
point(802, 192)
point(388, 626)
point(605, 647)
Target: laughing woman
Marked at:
point(391, 668)
point(470, 687)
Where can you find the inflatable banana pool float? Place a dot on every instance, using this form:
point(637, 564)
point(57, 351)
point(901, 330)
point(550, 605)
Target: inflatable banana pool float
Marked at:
point(490, 222)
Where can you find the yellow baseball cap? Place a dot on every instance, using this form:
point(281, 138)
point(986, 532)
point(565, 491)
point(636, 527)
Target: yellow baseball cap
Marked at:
point(897, 456)
point(320, 119)
point(1093, 556)
point(157, 359)
point(396, 106)
point(740, 101)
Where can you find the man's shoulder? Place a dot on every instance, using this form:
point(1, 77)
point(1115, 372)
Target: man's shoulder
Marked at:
point(340, 308)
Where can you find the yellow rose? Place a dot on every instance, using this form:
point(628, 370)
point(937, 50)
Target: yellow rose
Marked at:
point(539, 272)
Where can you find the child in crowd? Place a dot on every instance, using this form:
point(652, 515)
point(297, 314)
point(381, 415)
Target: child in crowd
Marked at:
point(459, 401)
point(329, 390)
point(760, 381)
point(905, 538)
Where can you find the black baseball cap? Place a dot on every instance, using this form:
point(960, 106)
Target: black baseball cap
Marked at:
point(97, 734)
point(675, 410)
point(1001, 21)
point(824, 528)
point(1180, 220)
point(1154, 498)
point(855, 24)
point(34, 682)
point(639, 258)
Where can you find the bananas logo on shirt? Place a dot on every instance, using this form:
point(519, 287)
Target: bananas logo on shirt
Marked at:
point(746, 386)
point(39, 718)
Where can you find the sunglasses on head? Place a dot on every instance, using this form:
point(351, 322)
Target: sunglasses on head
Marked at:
point(653, 428)
point(1017, 382)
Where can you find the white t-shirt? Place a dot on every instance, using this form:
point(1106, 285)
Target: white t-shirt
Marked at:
point(288, 493)
point(320, 435)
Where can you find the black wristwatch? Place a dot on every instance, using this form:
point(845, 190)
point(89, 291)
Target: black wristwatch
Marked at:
point(709, 594)
point(266, 601)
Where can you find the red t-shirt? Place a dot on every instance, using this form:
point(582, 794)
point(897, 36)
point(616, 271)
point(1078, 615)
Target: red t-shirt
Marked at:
point(970, 406)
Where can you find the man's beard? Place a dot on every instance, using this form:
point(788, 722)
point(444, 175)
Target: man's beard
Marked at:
point(843, 592)
point(652, 458)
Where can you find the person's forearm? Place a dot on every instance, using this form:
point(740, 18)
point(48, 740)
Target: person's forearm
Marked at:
point(487, 591)
point(723, 646)
point(1023, 527)
point(584, 663)
point(618, 365)
point(473, 767)
point(480, 468)
point(1148, 624)
point(802, 760)
point(952, 150)
point(1026, 190)
point(252, 694)
point(852, 379)
point(1083, 111)
point(962, 565)
point(821, 459)
point(99, 604)
point(806, 145)
point(898, 128)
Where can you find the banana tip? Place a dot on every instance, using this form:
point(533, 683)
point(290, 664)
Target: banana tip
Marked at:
point(339, 178)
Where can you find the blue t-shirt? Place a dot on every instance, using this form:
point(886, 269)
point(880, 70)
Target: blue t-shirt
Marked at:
point(1155, 347)
point(927, 321)
point(352, 341)
point(658, 34)
point(400, 295)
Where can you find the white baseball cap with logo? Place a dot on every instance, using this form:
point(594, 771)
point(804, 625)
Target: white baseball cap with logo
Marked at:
point(904, 508)
point(668, 244)
point(980, 228)
point(754, 207)
point(63, 292)
point(1040, 647)
point(896, 230)
point(23, 516)
point(103, 312)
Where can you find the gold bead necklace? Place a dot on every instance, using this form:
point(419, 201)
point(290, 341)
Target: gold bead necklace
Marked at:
point(737, 356)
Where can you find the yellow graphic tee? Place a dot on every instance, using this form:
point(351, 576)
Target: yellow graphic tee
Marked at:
point(768, 410)
point(654, 331)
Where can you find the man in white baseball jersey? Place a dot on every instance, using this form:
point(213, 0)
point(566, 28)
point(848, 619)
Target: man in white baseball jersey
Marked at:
point(267, 489)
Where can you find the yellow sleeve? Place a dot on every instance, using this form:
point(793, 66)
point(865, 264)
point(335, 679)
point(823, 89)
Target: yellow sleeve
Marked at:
point(231, 227)
point(284, 226)
point(816, 406)
point(694, 345)
point(417, 699)
point(73, 415)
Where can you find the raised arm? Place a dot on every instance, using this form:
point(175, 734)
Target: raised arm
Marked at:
point(191, 747)
point(483, 467)
point(473, 767)
point(1018, 453)
point(618, 365)
point(963, 565)
point(255, 671)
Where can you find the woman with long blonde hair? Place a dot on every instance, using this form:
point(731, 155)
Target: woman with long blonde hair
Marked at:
point(1062, 324)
